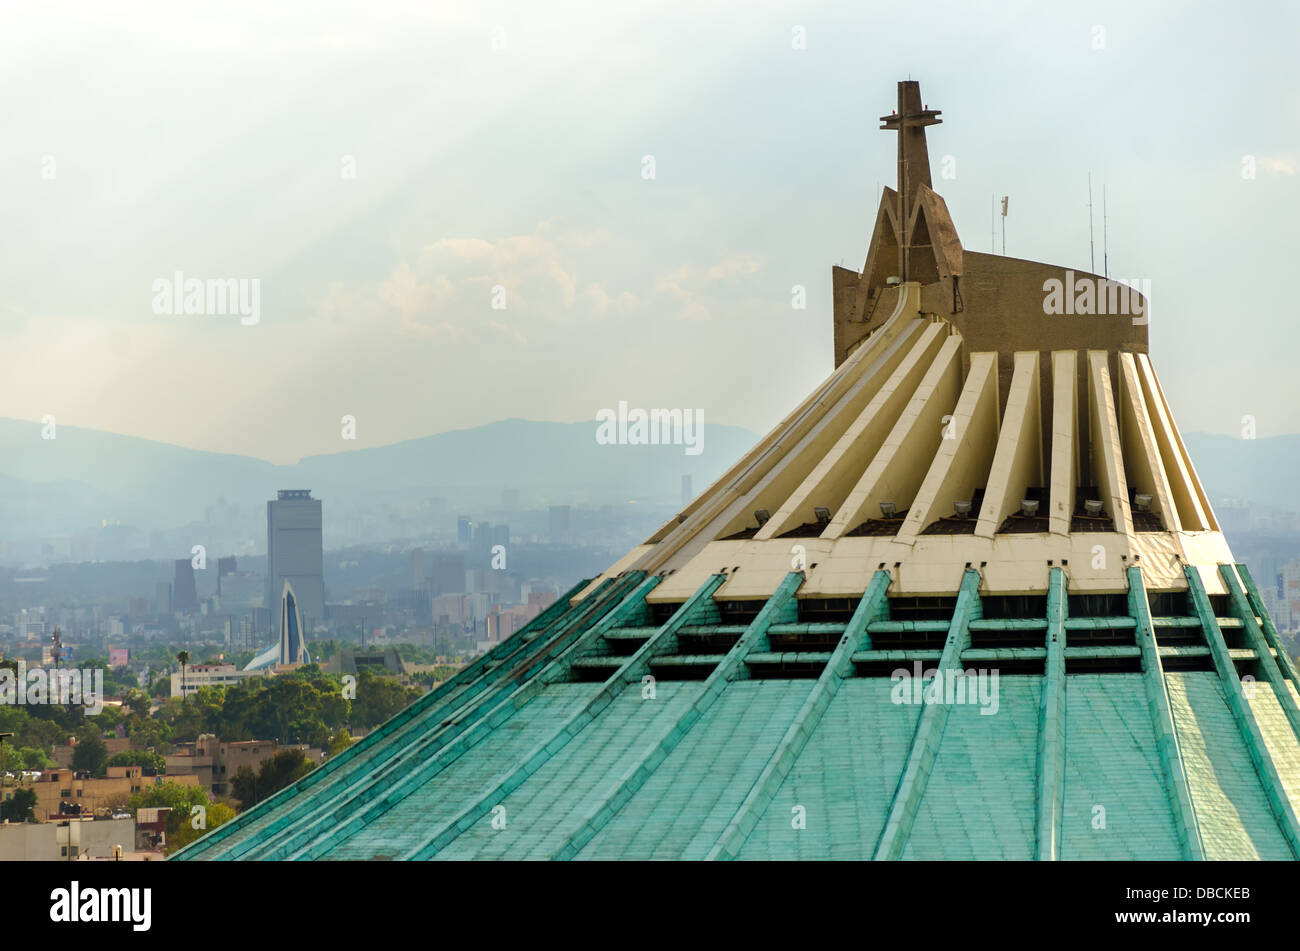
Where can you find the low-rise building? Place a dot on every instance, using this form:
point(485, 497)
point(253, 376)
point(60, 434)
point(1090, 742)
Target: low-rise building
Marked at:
point(208, 675)
point(63, 791)
point(215, 763)
point(49, 841)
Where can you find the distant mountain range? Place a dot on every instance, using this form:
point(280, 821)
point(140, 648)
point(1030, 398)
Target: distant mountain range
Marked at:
point(69, 484)
point(1262, 472)
point(84, 476)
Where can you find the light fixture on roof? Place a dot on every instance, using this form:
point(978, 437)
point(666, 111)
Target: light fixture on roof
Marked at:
point(761, 516)
point(822, 514)
point(1142, 502)
point(1029, 507)
point(888, 509)
point(1092, 507)
point(962, 508)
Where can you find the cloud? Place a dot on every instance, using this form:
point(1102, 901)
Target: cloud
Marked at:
point(413, 299)
point(703, 291)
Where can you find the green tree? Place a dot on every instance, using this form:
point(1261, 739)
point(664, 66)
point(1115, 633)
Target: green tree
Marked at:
point(137, 701)
point(21, 808)
point(181, 800)
point(183, 657)
point(285, 767)
point(91, 753)
point(339, 742)
point(215, 815)
point(379, 699)
point(145, 758)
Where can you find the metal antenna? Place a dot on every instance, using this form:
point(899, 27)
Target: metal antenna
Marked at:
point(1105, 253)
point(1092, 254)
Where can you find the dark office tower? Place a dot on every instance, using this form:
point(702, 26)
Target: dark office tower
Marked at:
point(463, 528)
point(447, 575)
point(687, 494)
point(510, 500)
point(225, 566)
point(184, 595)
point(559, 523)
point(482, 536)
point(294, 554)
point(501, 535)
point(419, 570)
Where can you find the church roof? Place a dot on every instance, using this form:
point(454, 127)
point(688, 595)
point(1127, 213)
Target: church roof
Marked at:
point(968, 600)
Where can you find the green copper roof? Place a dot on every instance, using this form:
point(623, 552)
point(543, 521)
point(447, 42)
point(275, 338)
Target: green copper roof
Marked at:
point(607, 729)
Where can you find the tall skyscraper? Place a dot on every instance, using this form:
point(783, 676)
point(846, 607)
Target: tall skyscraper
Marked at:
point(294, 553)
point(162, 597)
point(464, 526)
point(447, 574)
point(225, 566)
point(185, 596)
point(419, 569)
point(559, 523)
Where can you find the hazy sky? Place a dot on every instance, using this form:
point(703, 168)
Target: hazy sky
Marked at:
point(503, 144)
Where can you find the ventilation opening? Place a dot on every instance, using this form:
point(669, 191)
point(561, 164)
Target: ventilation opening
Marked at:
point(804, 640)
point(783, 670)
point(583, 674)
point(1103, 665)
point(1035, 637)
point(886, 668)
point(1100, 637)
point(624, 646)
point(1089, 518)
point(1014, 606)
point(1253, 669)
point(806, 530)
point(1169, 604)
point(1098, 605)
point(661, 612)
point(1017, 523)
point(1144, 520)
point(826, 610)
point(909, 640)
point(1184, 635)
point(1201, 663)
point(958, 523)
point(939, 608)
point(1019, 667)
point(672, 672)
point(879, 527)
point(708, 640)
point(740, 612)
point(1234, 637)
